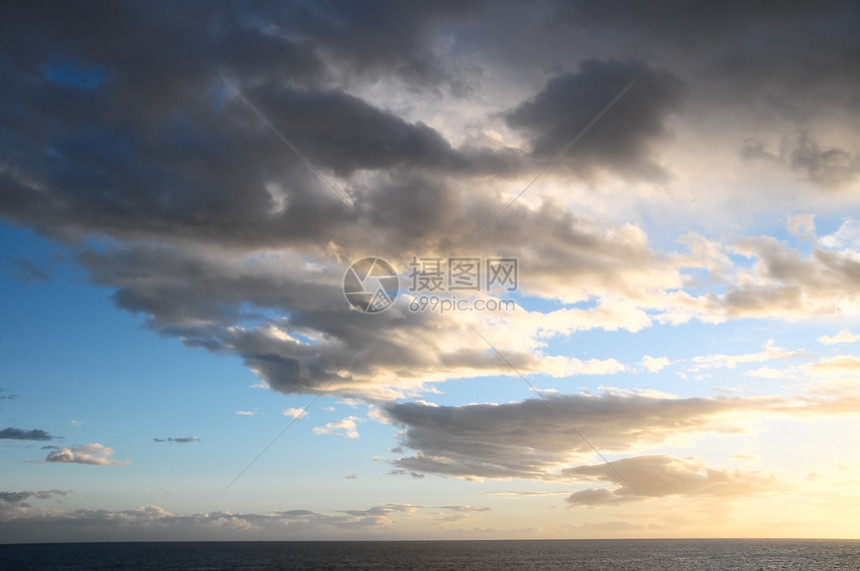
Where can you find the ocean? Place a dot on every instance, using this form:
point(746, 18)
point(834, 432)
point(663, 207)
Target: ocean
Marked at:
point(644, 555)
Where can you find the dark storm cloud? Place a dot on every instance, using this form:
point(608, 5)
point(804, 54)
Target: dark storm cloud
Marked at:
point(117, 123)
point(157, 145)
point(688, 25)
point(160, 148)
point(11, 433)
point(151, 56)
point(344, 133)
point(205, 179)
point(625, 138)
point(802, 47)
point(218, 175)
point(382, 37)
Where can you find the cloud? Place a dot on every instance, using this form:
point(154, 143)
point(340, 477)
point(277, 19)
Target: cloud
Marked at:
point(768, 373)
point(771, 352)
point(847, 235)
point(11, 396)
point(415, 475)
point(196, 296)
point(182, 440)
point(294, 412)
point(14, 504)
point(19, 497)
point(526, 493)
point(200, 220)
point(93, 454)
point(384, 509)
point(844, 336)
point(624, 139)
point(153, 523)
point(661, 475)
point(366, 138)
point(14, 497)
point(831, 167)
point(654, 364)
point(470, 509)
point(11, 433)
point(841, 365)
point(159, 182)
point(346, 427)
point(527, 440)
point(183, 258)
point(802, 227)
point(26, 271)
point(381, 38)
point(786, 284)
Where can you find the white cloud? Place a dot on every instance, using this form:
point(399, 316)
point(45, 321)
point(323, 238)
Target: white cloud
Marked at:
point(345, 427)
point(294, 412)
point(768, 373)
point(843, 336)
point(654, 364)
point(719, 361)
point(848, 235)
point(840, 366)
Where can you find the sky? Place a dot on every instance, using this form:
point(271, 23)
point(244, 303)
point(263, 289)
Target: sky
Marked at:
point(436, 270)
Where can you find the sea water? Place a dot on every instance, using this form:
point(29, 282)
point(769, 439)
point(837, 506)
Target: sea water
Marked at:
point(597, 555)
